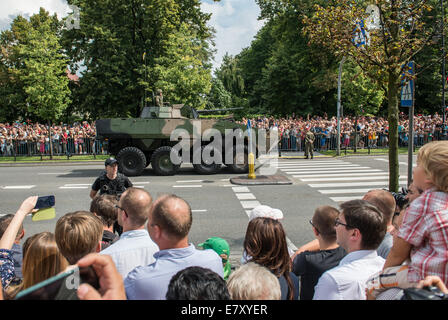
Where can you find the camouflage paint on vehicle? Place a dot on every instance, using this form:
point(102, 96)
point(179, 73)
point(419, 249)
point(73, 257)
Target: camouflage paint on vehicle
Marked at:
point(138, 142)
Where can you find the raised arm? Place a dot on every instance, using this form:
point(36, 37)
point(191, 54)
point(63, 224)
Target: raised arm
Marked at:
point(10, 234)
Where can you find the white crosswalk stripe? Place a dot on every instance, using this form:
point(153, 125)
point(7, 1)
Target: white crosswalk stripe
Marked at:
point(339, 180)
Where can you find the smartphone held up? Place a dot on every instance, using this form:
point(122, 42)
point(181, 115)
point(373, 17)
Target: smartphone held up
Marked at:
point(46, 210)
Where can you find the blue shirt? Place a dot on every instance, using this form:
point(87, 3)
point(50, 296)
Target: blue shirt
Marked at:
point(134, 248)
point(151, 282)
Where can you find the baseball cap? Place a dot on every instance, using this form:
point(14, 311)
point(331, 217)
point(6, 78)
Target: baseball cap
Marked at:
point(110, 161)
point(218, 244)
point(264, 211)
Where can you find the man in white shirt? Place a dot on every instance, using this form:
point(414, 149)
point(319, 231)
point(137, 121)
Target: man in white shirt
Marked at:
point(135, 247)
point(360, 228)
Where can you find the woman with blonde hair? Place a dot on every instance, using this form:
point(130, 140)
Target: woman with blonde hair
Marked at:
point(41, 259)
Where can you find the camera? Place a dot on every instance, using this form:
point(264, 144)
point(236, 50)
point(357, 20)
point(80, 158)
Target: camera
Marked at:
point(400, 197)
point(425, 293)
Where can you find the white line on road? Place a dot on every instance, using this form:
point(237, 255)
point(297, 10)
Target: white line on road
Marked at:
point(342, 191)
point(402, 162)
point(250, 204)
point(382, 177)
point(307, 171)
point(354, 167)
point(245, 196)
point(336, 174)
point(342, 199)
point(354, 184)
point(188, 186)
point(199, 210)
point(58, 173)
point(240, 189)
point(18, 187)
point(189, 181)
point(73, 187)
point(77, 184)
point(318, 165)
point(141, 182)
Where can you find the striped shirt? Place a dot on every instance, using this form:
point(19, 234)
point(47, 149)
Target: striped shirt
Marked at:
point(425, 227)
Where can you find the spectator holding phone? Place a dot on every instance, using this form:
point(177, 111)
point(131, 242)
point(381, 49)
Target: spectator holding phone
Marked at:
point(16, 247)
point(7, 270)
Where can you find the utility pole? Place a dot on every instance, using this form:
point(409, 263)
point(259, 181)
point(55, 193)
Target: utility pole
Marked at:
point(443, 72)
point(339, 108)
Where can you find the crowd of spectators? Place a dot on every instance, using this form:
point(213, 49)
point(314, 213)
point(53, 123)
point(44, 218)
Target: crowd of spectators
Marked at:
point(371, 131)
point(373, 248)
point(27, 138)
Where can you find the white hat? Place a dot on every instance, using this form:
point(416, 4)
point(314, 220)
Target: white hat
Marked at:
point(265, 212)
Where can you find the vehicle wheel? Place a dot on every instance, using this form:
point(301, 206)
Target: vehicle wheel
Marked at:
point(236, 166)
point(205, 167)
point(161, 162)
point(131, 161)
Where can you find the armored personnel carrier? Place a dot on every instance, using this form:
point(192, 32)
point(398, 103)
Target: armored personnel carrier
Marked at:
point(139, 142)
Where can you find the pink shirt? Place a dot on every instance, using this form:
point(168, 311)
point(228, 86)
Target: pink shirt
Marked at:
point(425, 227)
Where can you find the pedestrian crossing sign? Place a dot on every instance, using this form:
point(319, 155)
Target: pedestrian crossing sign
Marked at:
point(407, 94)
point(407, 86)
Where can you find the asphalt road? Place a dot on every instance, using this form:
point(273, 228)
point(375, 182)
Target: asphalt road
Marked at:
point(219, 207)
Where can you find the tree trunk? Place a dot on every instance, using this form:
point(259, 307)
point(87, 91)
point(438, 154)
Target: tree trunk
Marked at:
point(392, 96)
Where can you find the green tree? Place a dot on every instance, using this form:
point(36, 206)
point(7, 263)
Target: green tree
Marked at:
point(283, 74)
point(219, 97)
point(181, 71)
point(359, 91)
point(33, 69)
point(401, 33)
point(111, 41)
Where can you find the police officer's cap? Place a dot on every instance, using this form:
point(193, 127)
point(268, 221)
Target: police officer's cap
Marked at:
point(110, 161)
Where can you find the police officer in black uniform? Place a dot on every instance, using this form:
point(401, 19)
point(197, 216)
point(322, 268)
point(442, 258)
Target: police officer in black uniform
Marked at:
point(111, 182)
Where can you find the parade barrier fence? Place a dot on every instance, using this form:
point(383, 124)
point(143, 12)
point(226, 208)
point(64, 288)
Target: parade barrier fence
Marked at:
point(287, 142)
point(324, 142)
point(70, 147)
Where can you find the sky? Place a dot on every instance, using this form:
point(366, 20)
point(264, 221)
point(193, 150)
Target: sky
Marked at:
point(235, 21)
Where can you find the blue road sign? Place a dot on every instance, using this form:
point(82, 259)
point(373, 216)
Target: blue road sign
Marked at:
point(360, 35)
point(407, 86)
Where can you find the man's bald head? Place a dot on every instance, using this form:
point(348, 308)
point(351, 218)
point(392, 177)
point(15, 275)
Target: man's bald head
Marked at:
point(383, 200)
point(136, 203)
point(173, 215)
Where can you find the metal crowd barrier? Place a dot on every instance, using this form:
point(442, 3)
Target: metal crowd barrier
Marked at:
point(71, 147)
point(362, 140)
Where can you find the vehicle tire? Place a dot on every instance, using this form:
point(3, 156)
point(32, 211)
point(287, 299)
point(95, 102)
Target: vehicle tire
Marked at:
point(161, 162)
point(131, 161)
point(208, 168)
point(240, 168)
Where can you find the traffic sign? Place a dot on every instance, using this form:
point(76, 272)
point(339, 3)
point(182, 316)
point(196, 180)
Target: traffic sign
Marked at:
point(407, 87)
point(360, 35)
